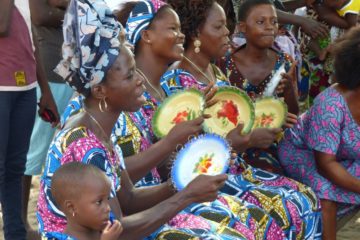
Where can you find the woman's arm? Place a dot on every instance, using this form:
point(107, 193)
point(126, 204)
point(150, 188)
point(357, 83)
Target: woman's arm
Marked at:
point(133, 200)
point(287, 88)
point(330, 16)
point(202, 189)
point(292, 5)
point(140, 164)
point(329, 168)
point(351, 19)
point(290, 98)
point(5, 16)
point(309, 26)
point(46, 100)
point(42, 14)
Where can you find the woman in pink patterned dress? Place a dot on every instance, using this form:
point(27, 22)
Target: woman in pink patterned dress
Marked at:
point(323, 149)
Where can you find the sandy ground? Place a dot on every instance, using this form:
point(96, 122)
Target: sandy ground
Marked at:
point(349, 228)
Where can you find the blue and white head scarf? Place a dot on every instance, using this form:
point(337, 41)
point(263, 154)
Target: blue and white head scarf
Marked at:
point(91, 44)
point(140, 18)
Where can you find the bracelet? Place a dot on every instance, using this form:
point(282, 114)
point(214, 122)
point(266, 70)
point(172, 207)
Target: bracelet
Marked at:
point(170, 185)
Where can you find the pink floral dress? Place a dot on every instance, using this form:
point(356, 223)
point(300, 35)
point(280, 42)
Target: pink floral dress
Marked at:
point(327, 127)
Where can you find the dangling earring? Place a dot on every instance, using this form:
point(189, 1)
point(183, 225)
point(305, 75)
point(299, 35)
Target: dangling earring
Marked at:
point(101, 105)
point(197, 44)
point(73, 214)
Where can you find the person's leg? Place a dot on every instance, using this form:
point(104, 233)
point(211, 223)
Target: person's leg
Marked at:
point(5, 107)
point(328, 209)
point(26, 186)
point(20, 127)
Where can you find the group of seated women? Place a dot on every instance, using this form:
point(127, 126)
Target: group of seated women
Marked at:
point(173, 46)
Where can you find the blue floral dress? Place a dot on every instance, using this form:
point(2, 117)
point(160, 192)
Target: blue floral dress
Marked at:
point(327, 127)
point(300, 208)
point(262, 202)
point(225, 218)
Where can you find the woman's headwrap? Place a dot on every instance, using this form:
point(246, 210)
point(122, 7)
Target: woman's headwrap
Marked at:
point(140, 18)
point(91, 43)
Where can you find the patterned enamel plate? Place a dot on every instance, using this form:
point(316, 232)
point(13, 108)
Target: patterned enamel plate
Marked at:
point(270, 113)
point(233, 106)
point(181, 106)
point(205, 154)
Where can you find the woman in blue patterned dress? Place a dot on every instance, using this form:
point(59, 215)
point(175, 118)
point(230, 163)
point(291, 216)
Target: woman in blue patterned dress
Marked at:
point(100, 68)
point(323, 149)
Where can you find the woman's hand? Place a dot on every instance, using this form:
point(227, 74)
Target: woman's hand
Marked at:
point(329, 167)
point(112, 231)
point(238, 141)
point(326, 52)
point(47, 102)
point(209, 92)
point(263, 137)
point(181, 132)
point(288, 80)
point(314, 28)
point(291, 120)
point(204, 188)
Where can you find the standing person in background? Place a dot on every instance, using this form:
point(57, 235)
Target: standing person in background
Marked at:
point(311, 27)
point(46, 18)
point(18, 71)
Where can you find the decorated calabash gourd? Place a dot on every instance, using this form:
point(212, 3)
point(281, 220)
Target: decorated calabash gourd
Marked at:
point(205, 154)
point(233, 106)
point(179, 107)
point(270, 112)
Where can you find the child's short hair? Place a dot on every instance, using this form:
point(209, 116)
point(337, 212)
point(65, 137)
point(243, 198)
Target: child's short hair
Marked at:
point(248, 5)
point(347, 59)
point(68, 180)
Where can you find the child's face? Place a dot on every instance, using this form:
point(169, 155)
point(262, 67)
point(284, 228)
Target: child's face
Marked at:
point(92, 208)
point(261, 26)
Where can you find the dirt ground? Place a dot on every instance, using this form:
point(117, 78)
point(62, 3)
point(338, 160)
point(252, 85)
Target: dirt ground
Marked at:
point(349, 227)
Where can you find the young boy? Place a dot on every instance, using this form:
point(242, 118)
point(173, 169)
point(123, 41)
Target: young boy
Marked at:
point(82, 191)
